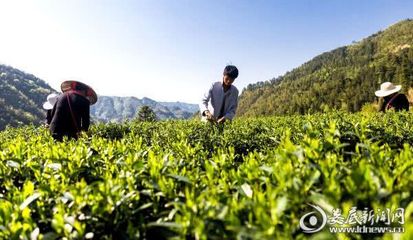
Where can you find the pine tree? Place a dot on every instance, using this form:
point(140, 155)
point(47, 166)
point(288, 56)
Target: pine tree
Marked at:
point(146, 114)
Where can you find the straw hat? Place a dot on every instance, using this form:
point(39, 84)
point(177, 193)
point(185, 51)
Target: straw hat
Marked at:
point(51, 100)
point(72, 85)
point(387, 88)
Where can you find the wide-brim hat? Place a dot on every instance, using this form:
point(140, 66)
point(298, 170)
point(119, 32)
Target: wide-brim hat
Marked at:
point(72, 85)
point(387, 88)
point(51, 101)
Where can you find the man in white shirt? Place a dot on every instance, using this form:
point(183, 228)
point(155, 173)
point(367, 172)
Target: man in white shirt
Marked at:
point(220, 102)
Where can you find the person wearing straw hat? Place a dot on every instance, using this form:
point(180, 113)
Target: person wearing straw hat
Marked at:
point(71, 113)
point(48, 106)
point(391, 97)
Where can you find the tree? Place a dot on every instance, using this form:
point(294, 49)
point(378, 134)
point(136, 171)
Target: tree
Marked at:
point(146, 114)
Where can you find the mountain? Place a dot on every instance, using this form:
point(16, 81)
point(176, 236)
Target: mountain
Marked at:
point(184, 106)
point(345, 78)
point(21, 97)
point(116, 109)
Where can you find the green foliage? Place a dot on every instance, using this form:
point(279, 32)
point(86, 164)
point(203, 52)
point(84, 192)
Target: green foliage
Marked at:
point(370, 108)
point(146, 114)
point(345, 78)
point(190, 180)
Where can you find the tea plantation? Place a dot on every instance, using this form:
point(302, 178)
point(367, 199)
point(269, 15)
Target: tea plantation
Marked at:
point(252, 179)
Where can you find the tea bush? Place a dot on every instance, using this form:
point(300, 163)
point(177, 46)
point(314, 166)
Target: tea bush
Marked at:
point(252, 179)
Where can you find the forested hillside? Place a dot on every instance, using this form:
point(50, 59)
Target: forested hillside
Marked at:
point(21, 97)
point(344, 78)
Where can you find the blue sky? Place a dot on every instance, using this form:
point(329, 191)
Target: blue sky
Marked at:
point(172, 50)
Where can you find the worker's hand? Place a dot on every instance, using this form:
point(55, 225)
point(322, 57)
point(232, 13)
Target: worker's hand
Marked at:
point(209, 116)
point(221, 120)
point(82, 134)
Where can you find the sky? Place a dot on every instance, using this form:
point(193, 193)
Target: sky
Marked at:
point(173, 50)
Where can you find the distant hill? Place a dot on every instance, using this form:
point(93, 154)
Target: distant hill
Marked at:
point(116, 109)
point(21, 97)
point(184, 106)
point(344, 78)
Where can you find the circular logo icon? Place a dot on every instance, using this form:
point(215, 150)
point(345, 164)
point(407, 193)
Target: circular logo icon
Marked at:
point(310, 221)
